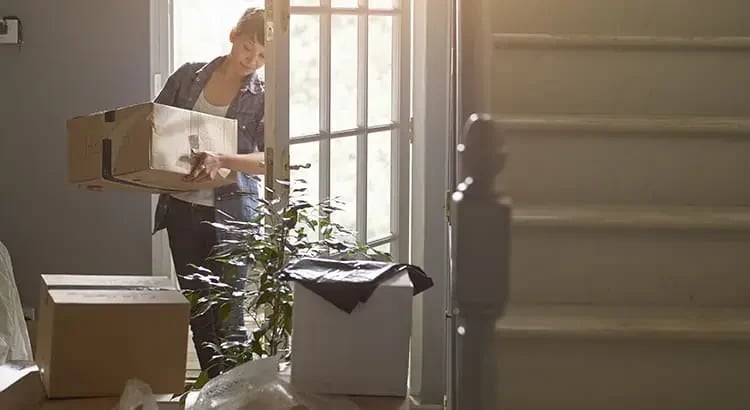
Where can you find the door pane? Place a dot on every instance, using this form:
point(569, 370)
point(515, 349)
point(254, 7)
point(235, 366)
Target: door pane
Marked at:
point(343, 72)
point(302, 154)
point(378, 185)
point(194, 40)
point(344, 3)
point(296, 3)
point(344, 180)
point(381, 4)
point(385, 248)
point(304, 75)
point(380, 70)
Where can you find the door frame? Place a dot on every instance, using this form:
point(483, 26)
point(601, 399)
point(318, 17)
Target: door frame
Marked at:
point(160, 66)
point(424, 215)
point(431, 165)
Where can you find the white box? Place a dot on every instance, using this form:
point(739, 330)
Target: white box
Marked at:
point(362, 353)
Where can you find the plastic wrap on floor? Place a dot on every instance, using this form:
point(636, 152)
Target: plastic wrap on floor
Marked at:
point(14, 336)
point(257, 385)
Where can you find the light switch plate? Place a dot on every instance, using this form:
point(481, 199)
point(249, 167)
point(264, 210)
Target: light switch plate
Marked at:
point(9, 30)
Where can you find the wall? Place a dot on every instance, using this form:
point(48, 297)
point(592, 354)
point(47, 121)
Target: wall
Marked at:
point(78, 57)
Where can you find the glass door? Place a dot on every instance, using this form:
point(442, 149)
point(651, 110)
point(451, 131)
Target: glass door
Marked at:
point(349, 111)
point(337, 95)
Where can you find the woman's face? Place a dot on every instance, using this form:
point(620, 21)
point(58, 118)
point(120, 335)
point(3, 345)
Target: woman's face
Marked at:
point(247, 54)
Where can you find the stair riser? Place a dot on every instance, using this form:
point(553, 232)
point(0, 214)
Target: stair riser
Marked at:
point(622, 375)
point(621, 82)
point(624, 17)
point(627, 169)
point(630, 267)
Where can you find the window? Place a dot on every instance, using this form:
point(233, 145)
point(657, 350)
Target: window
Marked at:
point(348, 101)
point(200, 28)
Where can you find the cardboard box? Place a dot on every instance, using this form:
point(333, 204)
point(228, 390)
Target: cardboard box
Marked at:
point(104, 403)
point(20, 386)
point(146, 147)
point(363, 353)
point(363, 402)
point(95, 332)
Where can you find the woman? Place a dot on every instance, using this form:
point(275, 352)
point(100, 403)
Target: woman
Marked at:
point(228, 86)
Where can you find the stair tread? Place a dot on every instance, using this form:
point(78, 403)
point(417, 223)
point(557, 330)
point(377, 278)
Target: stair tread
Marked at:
point(733, 218)
point(531, 39)
point(625, 123)
point(626, 321)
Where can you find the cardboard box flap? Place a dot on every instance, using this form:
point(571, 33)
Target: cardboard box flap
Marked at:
point(11, 372)
point(21, 386)
point(114, 297)
point(78, 281)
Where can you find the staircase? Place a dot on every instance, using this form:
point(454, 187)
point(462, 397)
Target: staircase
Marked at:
point(628, 128)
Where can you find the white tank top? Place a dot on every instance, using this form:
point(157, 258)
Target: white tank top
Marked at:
point(203, 197)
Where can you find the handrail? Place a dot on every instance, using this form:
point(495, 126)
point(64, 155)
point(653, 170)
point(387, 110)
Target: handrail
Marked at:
point(598, 41)
point(661, 125)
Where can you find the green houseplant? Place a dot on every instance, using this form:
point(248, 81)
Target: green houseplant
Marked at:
point(280, 232)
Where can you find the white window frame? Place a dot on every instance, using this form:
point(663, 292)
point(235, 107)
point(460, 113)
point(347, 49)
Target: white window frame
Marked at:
point(277, 118)
point(400, 127)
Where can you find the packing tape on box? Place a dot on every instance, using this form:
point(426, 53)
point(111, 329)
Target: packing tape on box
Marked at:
point(195, 146)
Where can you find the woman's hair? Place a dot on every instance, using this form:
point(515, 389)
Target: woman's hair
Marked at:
point(252, 23)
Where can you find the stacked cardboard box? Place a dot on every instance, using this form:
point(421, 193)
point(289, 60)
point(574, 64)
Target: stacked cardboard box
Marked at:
point(94, 333)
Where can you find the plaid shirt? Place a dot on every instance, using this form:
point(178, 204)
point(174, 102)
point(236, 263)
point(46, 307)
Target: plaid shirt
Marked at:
point(183, 88)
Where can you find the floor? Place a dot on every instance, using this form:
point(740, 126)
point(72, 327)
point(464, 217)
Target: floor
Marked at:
point(364, 403)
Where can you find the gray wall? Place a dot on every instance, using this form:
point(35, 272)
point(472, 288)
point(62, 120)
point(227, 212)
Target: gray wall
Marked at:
point(79, 56)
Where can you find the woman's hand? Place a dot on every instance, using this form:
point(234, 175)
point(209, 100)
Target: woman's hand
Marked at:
point(205, 167)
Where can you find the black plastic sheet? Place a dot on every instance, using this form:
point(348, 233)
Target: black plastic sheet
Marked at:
point(347, 283)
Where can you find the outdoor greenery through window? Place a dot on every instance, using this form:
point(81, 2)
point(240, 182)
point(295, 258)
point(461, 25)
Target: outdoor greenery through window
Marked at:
point(328, 128)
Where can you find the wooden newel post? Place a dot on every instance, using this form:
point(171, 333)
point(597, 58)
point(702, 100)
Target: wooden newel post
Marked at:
point(480, 234)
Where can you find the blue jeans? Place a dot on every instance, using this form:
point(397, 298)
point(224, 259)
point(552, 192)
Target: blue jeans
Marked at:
point(191, 242)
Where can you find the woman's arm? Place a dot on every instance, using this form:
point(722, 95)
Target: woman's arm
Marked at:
point(254, 164)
